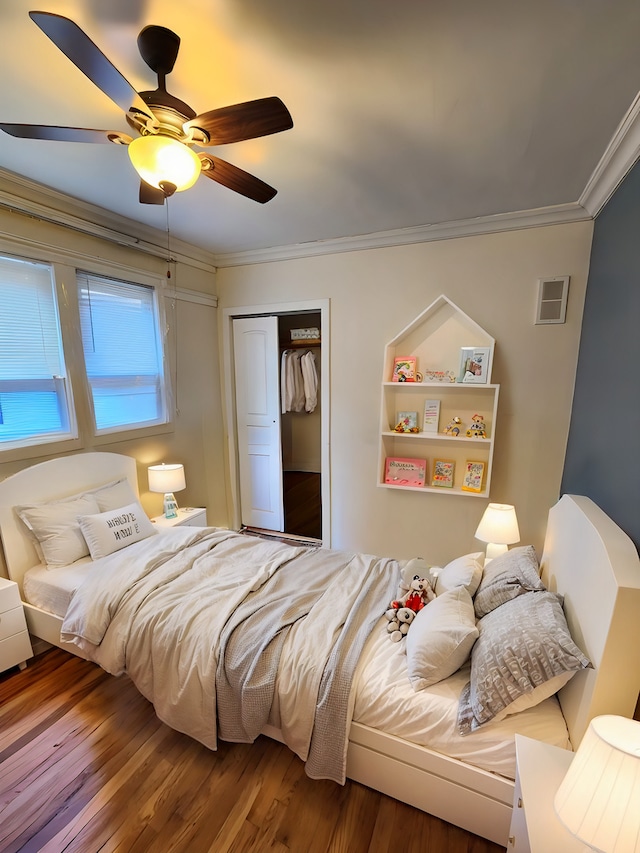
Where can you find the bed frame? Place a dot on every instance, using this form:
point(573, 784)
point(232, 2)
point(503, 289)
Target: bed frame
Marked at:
point(587, 558)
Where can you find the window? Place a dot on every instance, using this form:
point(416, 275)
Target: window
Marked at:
point(35, 398)
point(122, 353)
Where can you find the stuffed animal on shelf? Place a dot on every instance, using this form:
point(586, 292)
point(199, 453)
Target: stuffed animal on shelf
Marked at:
point(453, 427)
point(414, 592)
point(477, 428)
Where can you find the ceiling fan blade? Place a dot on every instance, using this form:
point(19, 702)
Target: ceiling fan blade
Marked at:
point(78, 47)
point(243, 121)
point(151, 195)
point(236, 179)
point(63, 134)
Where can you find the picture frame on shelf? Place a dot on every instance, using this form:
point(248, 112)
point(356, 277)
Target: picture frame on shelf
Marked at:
point(475, 363)
point(401, 471)
point(443, 473)
point(406, 422)
point(431, 416)
point(473, 478)
point(404, 369)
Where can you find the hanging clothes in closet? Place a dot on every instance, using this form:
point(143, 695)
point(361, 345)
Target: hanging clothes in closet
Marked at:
point(298, 381)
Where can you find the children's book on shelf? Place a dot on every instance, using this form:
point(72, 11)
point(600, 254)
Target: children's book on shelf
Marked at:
point(404, 369)
point(443, 470)
point(473, 478)
point(431, 416)
point(400, 471)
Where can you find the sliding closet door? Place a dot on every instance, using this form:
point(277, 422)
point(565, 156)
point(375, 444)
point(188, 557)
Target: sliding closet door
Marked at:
point(257, 366)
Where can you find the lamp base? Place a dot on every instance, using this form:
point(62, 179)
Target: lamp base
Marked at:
point(170, 506)
point(493, 551)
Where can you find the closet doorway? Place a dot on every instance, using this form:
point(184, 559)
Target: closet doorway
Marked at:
point(278, 453)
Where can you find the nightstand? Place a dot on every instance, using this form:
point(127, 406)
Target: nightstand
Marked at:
point(189, 517)
point(540, 768)
point(15, 645)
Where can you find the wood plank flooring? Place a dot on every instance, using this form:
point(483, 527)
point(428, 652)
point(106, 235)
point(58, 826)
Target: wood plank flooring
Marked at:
point(86, 766)
point(301, 493)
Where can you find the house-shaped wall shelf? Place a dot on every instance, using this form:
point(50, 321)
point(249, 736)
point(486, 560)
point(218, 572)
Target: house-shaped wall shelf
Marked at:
point(436, 339)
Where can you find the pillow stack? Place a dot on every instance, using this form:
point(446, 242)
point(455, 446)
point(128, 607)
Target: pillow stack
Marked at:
point(510, 627)
point(524, 652)
point(56, 530)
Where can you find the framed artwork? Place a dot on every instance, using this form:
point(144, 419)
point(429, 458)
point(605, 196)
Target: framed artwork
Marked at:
point(443, 471)
point(473, 479)
point(406, 422)
point(399, 471)
point(474, 365)
point(404, 369)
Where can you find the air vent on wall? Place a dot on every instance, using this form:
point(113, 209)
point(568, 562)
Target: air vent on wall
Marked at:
point(552, 300)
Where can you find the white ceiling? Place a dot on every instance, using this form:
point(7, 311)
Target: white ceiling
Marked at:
point(406, 113)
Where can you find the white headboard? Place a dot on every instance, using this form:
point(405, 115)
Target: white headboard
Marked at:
point(591, 562)
point(48, 481)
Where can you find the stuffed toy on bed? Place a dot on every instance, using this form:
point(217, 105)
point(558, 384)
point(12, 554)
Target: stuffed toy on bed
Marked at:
point(414, 592)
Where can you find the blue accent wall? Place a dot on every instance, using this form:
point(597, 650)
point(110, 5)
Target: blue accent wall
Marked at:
point(603, 450)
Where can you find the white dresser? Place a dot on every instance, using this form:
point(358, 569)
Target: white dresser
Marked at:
point(15, 645)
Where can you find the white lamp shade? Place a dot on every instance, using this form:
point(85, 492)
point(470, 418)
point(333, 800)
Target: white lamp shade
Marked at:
point(158, 158)
point(599, 799)
point(166, 478)
point(499, 525)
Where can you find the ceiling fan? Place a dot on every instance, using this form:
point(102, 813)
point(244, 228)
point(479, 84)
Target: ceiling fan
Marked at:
point(167, 128)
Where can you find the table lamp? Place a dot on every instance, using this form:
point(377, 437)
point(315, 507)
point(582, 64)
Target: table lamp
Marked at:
point(498, 528)
point(167, 479)
point(598, 800)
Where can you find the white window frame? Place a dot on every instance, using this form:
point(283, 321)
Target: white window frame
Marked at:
point(69, 434)
point(164, 421)
point(65, 262)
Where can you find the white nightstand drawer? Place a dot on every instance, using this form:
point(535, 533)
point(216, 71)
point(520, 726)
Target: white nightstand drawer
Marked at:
point(12, 622)
point(191, 517)
point(9, 595)
point(15, 650)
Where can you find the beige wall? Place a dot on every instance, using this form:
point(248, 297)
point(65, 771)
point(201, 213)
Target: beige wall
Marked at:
point(374, 294)
point(196, 436)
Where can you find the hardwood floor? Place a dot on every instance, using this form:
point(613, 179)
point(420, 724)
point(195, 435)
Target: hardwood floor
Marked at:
point(302, 504)
point(86, 766)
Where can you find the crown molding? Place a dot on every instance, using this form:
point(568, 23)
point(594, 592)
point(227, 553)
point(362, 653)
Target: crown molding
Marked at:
point(33, 199)
point(616, 162)
point(553, 215)
point(23, 195)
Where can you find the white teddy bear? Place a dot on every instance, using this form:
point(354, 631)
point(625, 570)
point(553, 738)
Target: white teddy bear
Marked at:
point(414, 592)
point(399, 621)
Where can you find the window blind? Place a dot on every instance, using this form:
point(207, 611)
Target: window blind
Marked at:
point(35, 400)
point(122, 352)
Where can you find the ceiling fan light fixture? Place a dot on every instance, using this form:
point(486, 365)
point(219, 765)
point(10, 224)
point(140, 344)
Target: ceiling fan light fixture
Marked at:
point(161, 159)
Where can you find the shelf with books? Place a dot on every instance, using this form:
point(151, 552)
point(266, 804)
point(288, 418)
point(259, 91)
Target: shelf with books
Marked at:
point(455, 419)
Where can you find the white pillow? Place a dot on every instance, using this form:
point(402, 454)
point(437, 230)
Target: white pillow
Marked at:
point(56, 530)
point(440, 638)
point(463, 571)
point(110, 531)
point(114, 495)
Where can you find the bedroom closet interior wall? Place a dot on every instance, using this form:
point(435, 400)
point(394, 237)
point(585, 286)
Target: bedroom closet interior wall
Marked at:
point(301, 438)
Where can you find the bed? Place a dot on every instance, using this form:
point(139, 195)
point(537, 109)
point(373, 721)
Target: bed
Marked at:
point(465, 780)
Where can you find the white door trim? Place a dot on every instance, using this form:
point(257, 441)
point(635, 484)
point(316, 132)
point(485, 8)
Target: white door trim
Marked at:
point(229, 408)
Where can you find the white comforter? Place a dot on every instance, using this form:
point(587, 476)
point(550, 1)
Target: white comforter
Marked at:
point(159, 608)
